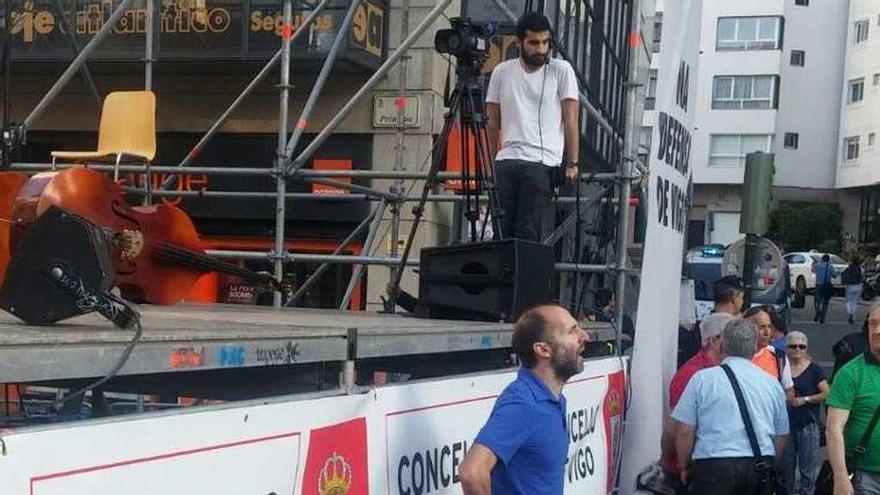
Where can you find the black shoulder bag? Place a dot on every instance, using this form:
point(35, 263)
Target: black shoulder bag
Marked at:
point(825, 479)
point(766, 474)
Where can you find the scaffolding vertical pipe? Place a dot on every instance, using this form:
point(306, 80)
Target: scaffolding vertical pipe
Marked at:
point(399, 141)
point(626, 166)
point(380, 73)
point(358, 270)
point(7, 83)
point(148, 51)
point(74, 66)
point(267, 68)
point(148, 85)
point(321, 80)
point(281, 183)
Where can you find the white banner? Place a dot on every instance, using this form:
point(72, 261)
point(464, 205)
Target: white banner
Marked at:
point(655, 346)
point(406, 439)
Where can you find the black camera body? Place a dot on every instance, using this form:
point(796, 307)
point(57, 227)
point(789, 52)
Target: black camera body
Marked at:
point(465, 40)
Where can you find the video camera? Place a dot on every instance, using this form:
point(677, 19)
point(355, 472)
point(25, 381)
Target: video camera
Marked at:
point(465, 40)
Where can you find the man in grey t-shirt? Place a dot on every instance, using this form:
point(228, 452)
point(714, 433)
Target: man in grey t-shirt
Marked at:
point(533, 102)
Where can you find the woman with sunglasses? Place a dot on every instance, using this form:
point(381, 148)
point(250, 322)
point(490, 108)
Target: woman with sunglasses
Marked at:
point(802, 451)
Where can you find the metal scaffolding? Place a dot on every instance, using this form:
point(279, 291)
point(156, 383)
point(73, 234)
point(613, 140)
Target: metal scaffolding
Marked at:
point(286, 167)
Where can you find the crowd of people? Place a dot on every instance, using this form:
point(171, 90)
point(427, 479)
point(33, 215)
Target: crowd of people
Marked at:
point(746, 406)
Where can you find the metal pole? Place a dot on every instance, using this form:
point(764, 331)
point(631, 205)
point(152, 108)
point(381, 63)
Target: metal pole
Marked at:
point(148, 52)
point(280, 183)
point(74, 66)
point(318, 86)
point(350, 187)
point(270, 65)
point(323, 267)
point(148, 85)
point(386, 261)
point(427, 22)
point(301, 174)
point(399, 139)
point(625, 185)
point(505, 9)
point(74, 46)
point(358, 270)
point(750, 255)
point(7, 84)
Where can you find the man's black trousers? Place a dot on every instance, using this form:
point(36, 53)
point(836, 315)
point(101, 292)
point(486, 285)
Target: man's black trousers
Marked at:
point(731, 476)
point(525, 190)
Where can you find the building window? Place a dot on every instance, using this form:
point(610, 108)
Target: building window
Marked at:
point(872, 137)
point(658, 32)
point(798, 57)
point(651, 91)
point(803, 3)
point(791, 140)
point(861, 31)
point(748, 33)
point(730, 150)
point(877, 79)
point(856, 90)
point(851, 148)
point(744, 92)
point(646, 135)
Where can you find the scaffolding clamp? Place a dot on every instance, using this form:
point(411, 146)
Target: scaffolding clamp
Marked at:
point(15, 135)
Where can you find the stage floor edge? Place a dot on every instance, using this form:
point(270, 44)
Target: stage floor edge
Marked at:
point(209, 337)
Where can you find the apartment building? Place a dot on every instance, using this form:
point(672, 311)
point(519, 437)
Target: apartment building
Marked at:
point(858, 157)
point(769, 80)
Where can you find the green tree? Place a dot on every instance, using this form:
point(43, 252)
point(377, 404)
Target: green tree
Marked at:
point(801, 226)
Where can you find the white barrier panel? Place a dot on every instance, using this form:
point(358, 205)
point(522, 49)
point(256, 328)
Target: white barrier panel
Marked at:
point(406, 439)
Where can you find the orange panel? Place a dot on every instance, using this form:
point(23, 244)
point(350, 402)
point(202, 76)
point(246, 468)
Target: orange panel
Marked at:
point(205, 289)
point(10, 183)
point(331, 164)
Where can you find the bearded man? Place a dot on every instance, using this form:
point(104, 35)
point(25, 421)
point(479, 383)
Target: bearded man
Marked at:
point(523, 446)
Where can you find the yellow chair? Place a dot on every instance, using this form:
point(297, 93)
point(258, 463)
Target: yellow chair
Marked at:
point(128, 127)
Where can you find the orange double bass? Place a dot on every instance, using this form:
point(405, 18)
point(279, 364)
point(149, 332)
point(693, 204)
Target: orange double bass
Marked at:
point(157, 251)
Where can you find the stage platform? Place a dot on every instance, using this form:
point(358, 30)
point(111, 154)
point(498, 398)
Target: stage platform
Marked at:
point(212, 337)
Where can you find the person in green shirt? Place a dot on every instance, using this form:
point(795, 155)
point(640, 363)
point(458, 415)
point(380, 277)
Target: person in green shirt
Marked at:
point(854, 397)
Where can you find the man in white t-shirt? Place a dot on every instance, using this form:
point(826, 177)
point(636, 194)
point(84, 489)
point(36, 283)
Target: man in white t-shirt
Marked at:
point(533, 102)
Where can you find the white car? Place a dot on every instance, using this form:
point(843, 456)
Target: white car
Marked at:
point(801, 266)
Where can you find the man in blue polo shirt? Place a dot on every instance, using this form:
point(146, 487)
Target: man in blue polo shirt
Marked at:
point(524, 444)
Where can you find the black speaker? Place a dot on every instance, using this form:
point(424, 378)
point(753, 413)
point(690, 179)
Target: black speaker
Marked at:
point(60, 268)
point(495, 280)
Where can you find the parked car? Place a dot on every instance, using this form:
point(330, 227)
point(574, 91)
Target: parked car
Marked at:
point(801, 265)
point(703, 266)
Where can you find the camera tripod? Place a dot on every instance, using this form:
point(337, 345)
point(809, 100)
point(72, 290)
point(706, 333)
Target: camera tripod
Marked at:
point(467, 107)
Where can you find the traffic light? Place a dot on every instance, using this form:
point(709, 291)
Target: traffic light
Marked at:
point(757, 193)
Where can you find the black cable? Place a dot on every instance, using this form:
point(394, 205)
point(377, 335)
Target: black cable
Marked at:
point(116, 367)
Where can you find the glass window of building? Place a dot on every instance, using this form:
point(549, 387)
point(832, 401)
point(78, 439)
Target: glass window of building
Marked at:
point(851, 148)
point(651, 91)
point(861, 31)
point(856, 90)
point(730, 150)
point(749, 33)
point(744, 92)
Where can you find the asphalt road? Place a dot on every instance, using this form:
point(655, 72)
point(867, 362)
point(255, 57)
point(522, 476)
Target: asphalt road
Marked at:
point(823, 336)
